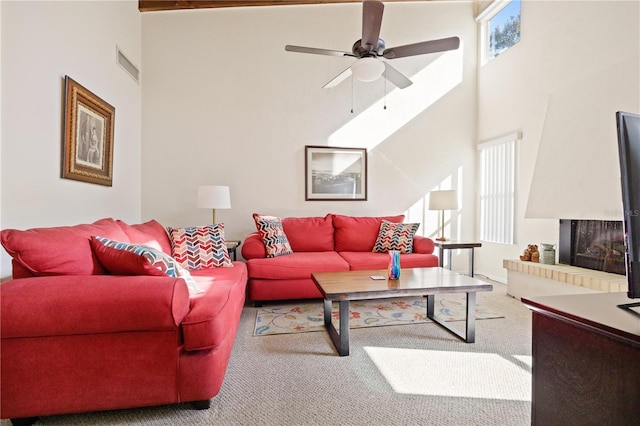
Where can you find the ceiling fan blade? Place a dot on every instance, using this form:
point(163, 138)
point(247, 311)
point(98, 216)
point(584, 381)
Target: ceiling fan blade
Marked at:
point(338, 79)
point(315, 51)
point(432, 46)
point(396, 77)
point(371, 22)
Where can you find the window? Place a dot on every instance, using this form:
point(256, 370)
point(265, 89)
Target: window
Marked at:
point(497, 174)
point(500, 26)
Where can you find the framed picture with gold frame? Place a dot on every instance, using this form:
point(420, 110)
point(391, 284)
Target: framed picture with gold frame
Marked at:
point(87, 149)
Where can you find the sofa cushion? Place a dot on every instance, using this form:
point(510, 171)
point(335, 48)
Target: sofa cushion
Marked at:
point(200, 246)
point(309, 233)
point(395, 236)
point(358, 233)
point(361, 261)
point(62, 250)
point(296, 265)
point(273, 236)
point(150, 234)
point(131, 259)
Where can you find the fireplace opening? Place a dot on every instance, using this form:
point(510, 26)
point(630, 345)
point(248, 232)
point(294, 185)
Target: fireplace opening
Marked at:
point(592, 244)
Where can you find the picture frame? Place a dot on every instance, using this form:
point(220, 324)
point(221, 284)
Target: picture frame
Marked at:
point(87, 147)
point(335, 174)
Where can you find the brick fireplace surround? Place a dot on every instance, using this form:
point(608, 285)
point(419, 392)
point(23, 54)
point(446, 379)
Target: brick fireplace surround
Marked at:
point(528, 279)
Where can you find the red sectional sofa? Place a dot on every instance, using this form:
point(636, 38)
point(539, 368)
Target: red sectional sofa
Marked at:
point(322, 244)
point(76, 339)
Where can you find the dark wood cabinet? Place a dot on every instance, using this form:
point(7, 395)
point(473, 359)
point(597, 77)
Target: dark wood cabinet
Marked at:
point(586, 360)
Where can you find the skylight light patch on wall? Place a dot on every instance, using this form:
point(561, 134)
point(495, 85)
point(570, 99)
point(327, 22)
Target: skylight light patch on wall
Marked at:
point(429, 85)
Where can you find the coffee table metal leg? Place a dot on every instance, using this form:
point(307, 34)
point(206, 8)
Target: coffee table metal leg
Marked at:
point(471, 318)
point(471, 262)
point(430, 304)
point(340, 340)
point(470, 322)
point(327, 312)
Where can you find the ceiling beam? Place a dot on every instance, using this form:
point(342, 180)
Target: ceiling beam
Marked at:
point(154, 5)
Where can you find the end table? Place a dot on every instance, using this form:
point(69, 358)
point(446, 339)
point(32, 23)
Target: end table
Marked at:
point(454, 245)
point(232, 246)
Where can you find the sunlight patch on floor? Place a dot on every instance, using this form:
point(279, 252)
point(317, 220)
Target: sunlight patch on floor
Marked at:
point(404, 105)
point(453, 374)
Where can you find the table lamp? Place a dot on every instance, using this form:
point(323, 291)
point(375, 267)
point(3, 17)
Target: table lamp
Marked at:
point(213, 197)
point(443, 200)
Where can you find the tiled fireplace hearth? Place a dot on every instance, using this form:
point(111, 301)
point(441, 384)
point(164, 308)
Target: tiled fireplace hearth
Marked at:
point(527, 279)
point(590, 256)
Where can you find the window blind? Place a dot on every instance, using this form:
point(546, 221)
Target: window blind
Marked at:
point(497, 189)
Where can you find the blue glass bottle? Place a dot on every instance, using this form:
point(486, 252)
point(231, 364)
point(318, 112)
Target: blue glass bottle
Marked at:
point(394, 264)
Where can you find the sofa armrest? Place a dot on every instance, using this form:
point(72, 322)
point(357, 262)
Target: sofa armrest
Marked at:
point(253, 247)
point(69, 304)
point(423, 245)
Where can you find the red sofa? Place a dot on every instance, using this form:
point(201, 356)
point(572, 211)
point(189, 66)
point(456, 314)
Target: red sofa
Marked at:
point(322, 244)
point(76, 339)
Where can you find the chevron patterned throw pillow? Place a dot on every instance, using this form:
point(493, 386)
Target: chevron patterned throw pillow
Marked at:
point(200, 247)
point(273, 236)
point(121, 258)
point(395, 236)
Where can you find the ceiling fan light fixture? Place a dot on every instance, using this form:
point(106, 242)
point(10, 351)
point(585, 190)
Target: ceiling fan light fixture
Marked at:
point(371, 48)
point(367, 69)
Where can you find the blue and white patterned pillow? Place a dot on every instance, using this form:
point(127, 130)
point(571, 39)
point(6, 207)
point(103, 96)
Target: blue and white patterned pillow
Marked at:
point(157, 259)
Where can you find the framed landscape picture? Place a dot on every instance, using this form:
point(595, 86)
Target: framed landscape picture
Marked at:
point(87, 150)
point(333, 173)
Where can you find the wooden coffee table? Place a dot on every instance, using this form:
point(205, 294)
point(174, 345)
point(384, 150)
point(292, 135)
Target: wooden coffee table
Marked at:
point(358, 285)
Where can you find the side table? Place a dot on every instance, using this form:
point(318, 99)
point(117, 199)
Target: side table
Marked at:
point(454, 245)
point(232, 246)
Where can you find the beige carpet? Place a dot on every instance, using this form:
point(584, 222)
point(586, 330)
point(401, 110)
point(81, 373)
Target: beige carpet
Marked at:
point(409, 375)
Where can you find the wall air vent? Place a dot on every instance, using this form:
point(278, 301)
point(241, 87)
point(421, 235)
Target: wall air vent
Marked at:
point(127, 65)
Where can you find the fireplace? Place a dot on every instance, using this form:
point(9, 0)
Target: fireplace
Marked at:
point(592, 244)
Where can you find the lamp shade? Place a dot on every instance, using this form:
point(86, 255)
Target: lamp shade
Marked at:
point(443, 200)
point(367, 69)
point(213, 197)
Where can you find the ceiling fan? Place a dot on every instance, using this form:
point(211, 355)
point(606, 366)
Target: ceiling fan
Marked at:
point(371, 47)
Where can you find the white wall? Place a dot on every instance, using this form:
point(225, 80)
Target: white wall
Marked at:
point(223, 103)
point(575, 66)
point(41, 43)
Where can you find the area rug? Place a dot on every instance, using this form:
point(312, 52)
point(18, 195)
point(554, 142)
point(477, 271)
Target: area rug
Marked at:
point(306, 317)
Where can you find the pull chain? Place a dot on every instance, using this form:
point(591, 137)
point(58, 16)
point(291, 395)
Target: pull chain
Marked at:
point(351, 93)
point(385, 93)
